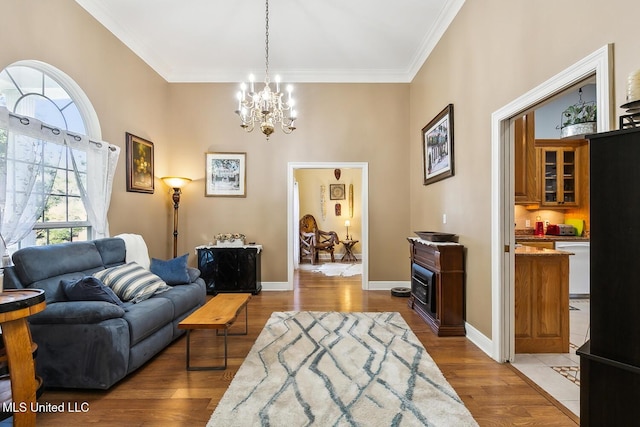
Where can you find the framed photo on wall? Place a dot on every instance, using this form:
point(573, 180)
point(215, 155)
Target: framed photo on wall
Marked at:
point(336, 191)
point(140, 176)
point(226, 174)
point(437, 147)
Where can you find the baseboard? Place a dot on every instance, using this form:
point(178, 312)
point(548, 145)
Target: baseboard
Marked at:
point(479, 339)
point(275, 286)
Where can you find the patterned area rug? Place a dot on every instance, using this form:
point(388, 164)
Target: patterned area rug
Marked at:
point(339, 369)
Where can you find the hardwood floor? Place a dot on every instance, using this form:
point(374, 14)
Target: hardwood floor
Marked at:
point(163, 393)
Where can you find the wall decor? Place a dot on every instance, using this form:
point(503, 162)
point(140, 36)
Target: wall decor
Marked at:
point(337, 173)
point(350, 200)
point(225, 174)
point(323, 201)
point(338, 209)
point(336, 191)
point(140, 177)
point(437, 146)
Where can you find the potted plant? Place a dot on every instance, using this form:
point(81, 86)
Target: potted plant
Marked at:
point(579, 119)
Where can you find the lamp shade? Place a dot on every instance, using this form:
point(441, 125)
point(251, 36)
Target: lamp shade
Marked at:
point(176, 181)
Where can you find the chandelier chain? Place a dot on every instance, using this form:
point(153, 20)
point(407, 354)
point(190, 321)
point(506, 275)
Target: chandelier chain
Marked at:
point(266, 43)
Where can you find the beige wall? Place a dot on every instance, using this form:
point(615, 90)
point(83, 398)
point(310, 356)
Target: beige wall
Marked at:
point(338, 123)
point(494, 52)
point(126, 94)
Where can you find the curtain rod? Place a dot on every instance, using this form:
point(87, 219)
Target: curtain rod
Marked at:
point(56, 131)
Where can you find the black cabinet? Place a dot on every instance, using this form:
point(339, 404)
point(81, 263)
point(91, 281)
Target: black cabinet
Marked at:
point(610, 361)
point(230, 269)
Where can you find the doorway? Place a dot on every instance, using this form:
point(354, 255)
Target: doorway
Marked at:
point(598, 64)
point(293, 216)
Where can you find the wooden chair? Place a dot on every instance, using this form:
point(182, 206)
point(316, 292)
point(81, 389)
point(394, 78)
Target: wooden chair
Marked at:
point(313, 240)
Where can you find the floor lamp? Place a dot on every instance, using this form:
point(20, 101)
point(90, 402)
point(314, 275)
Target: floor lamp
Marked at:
point(176, 183)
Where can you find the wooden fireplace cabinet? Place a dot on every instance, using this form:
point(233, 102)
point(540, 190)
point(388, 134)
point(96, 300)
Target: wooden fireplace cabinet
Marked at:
point(446, 261)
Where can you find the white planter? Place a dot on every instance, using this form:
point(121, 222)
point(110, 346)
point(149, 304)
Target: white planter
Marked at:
point(578, 129)
point(230, 243)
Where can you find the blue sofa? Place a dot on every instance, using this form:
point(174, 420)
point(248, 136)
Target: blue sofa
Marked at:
point(94, 344)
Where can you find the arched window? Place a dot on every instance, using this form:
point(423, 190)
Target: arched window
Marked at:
point(38, 90)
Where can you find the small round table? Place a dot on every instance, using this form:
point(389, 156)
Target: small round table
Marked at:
point(348, 250)
point(15, 306)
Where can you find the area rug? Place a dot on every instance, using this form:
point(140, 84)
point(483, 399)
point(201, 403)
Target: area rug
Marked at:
point(339, 369)
point(338, 269)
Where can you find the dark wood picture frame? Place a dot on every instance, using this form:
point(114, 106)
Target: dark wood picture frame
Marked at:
point(437, 147)
point(336, 192)
point(140, 173)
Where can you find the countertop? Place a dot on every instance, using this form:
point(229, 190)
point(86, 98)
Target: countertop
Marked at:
point(533, 251)
point(549, 238)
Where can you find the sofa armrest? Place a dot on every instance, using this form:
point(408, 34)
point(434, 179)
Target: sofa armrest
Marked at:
point(194, 273)
point(77, 312)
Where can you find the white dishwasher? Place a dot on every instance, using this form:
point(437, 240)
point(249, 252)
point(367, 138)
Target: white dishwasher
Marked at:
point(578, 267)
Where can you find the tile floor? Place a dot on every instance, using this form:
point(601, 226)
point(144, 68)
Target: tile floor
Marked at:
point(559, 374)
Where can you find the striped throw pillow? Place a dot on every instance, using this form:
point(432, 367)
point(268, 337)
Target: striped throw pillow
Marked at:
point(131, 282)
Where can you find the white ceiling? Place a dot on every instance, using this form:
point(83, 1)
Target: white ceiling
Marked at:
point(309, 41)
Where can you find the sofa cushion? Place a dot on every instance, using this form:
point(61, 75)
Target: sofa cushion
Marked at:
point(147, 317)
point(35, 266)
point(89, 288)
point(131, 282)
point(77, 312)
point(185, 298)
point(112, 250)
point(173, 271)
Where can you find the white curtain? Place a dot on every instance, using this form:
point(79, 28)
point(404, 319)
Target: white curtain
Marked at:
point(101, 160)
point(31, 153)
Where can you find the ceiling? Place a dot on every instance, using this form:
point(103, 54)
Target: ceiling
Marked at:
point(309, 41)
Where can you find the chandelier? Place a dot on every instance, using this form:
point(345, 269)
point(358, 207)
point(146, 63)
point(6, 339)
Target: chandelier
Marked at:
point(266, 107)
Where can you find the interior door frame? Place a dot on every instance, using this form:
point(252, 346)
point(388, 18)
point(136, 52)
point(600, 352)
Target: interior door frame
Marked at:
point(292, 237)
point(598, 64)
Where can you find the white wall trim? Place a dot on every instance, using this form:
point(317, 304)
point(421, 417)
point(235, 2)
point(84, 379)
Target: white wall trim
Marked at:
point(293, 239)
point(502, 199)
point(479, 339)
point(275, 286)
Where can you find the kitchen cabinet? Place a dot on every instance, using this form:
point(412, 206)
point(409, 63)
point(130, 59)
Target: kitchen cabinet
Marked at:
point(561, 172)
point(526, 162)
point(541, 300)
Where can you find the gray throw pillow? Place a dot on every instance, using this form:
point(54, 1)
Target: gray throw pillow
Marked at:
point(89, 288)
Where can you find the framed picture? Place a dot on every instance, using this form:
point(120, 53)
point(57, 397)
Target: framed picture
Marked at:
point(226, 174)
point(140, 177)
point(336, 191)
point(437, 147)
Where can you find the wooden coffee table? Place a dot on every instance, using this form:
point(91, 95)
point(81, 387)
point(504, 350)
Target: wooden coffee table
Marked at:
point(220, 312)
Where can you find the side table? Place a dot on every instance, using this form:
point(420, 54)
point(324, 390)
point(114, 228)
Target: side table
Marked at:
point(15, 306)
point(348, 250)
point(230, 268)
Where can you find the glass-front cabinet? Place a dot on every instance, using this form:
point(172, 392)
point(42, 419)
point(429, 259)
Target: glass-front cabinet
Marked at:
point(560, 178)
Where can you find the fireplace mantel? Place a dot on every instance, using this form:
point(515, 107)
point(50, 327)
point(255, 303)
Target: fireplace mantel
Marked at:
point(446, 261)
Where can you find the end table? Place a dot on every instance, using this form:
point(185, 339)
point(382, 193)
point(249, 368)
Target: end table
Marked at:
point(348, 250)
